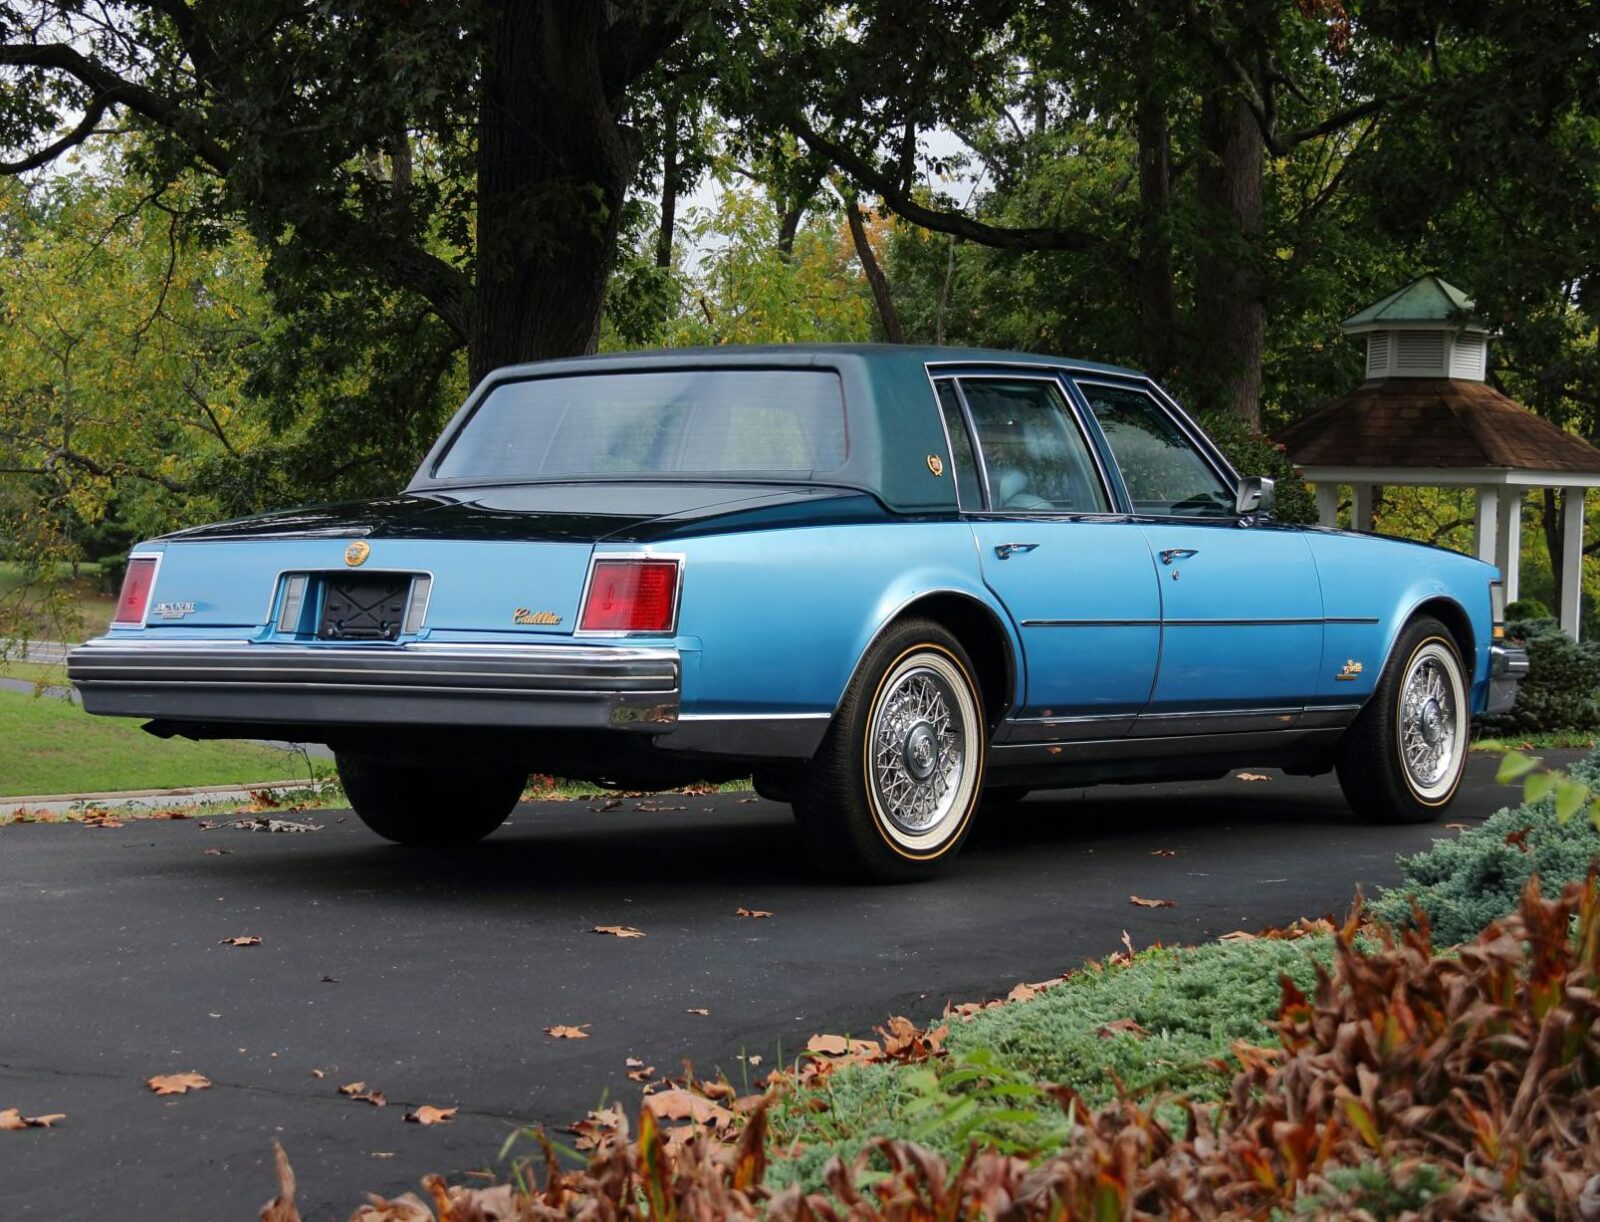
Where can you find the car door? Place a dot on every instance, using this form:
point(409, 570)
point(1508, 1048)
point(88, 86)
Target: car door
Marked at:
point(1076, 576)
point(1241, 604)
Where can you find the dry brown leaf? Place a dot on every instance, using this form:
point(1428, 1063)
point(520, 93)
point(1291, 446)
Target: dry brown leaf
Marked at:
point(619, 931)
point(701, 1013)
point(1023, 992)
point(1455, 827)
point(282, 1207)
point(319, 1073)
point(1144, 903)
point(838, 1045)
point(679, 1104)
point(178, 1083)
point(568, 1033)
point(12, 1120)
point(1121, 1026)
point(359, 1092)
point(643, 1074)
point(600, 1128)
point(1238, 935)
point(431, 1115)
point(248, 939)
point(756, 913)
point(1163, 852)
point(1252, 776)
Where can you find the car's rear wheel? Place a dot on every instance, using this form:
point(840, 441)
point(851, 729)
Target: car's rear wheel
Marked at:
point(889, 795)
point(1402, 759)
point(427, 806)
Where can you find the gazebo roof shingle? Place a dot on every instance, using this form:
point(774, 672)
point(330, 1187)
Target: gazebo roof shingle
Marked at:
point(1434, 422)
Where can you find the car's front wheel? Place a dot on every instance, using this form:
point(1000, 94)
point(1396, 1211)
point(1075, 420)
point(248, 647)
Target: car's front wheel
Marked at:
point(427, 806)
point(889, 795)
point(1402, 759)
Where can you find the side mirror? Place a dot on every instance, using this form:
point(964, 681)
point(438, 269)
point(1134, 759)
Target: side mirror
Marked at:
point(1255, 495)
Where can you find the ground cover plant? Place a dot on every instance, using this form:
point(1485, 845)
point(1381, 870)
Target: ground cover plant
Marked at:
point(1466, 881)
point(1462, 1086)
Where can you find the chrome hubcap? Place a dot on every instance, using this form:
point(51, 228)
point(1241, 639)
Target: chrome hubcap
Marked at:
point(1431, 731)
point(919, 748)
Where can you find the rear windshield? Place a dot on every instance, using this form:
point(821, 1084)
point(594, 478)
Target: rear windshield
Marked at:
point(710, 421)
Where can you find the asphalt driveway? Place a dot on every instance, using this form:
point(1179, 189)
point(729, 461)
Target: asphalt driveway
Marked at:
point(431, 976)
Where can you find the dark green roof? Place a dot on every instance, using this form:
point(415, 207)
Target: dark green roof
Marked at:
point(1426, 299)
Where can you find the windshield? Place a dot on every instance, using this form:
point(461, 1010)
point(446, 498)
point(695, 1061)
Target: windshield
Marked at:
point(681, 422)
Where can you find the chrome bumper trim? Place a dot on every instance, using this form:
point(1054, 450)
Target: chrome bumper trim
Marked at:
point(557, 686)
point(1508, 665)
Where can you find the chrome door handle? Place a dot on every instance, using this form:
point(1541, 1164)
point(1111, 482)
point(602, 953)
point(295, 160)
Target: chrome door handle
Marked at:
point(1004, 550)
point(1168, 555)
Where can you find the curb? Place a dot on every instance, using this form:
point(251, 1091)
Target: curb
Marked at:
point(139, 796)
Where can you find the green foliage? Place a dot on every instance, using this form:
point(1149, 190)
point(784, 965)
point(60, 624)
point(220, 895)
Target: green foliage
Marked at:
point(1464, 883)
point(1191, 1003)
point(1252, 453)
point(1561, 690)
point(1376, 1190)
point(1527, 609)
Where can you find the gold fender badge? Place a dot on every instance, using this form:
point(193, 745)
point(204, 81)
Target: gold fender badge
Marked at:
point(936, 464)
point(357, 553)
point(1351, 671)
point(526, 617)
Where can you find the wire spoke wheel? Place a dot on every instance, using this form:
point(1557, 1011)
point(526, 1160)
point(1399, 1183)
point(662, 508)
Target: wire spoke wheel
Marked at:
point(919, 753)
point(1432, 721)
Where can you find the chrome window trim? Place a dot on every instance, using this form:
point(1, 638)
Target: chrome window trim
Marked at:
point(949, 443)
point(595, 556)
point(150, 596)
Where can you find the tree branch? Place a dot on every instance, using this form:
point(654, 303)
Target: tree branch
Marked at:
point(72, 139)
point(902, 204)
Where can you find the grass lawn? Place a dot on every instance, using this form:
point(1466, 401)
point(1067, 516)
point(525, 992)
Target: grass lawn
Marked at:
point(50, 746)
point(51, 674)
point(88, 604)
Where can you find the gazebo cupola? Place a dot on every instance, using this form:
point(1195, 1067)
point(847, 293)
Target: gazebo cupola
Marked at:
point(1425, 330)
point(1427, 417)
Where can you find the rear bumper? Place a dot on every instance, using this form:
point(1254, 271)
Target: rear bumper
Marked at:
point(1507, 666)
point(626, 688)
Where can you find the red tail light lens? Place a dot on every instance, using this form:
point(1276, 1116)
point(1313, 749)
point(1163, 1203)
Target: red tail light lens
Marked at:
point(136, 586)
point(631, 596)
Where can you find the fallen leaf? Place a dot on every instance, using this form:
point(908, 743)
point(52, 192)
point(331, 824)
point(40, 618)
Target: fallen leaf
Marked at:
point(753, 1059)
point(216, 852)
point(568, 1033)
point(1022, 992)
point(1128, 942)
point(655, 808)
point(13, 1120)
point(600, 1128)
point(1122, 1026)
point(248, 939)
point(838, 1045)
point(701, 1013)
point(611, 805)
point(1144, 903)
point(319, 1073)
point(643, 1074)
point(1519, 838)
point(329, 980)
point(756, 913)
point(1455, 827)
point(679, 1104)
point(178, 1083)
point(747, 801)
point(282, 1207)
point(619, 931)
point(358, 1091)
point(1252, 776)
point(1163, 852)
point(431, 1115)
point(1238, 935)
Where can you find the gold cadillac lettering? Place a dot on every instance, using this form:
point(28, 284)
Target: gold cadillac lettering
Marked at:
point(357, 553)
point(524, 616)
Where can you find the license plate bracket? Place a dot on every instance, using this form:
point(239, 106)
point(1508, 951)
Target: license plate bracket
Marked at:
point(369, 607)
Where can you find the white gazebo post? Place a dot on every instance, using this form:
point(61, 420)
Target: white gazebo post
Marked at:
point(1571, 592)
point(1427, 417)
point(1508, 550)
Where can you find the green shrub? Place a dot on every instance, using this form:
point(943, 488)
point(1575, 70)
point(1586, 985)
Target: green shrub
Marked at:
point(1559, 691)
point(1254, 453)
point(1466, 882)
point(1527, 608)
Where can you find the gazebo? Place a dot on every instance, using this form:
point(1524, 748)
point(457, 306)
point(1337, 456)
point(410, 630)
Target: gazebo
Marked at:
point(1426, 417)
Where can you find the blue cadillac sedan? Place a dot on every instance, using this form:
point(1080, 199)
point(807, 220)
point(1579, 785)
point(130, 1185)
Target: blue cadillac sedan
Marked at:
point(890, 583)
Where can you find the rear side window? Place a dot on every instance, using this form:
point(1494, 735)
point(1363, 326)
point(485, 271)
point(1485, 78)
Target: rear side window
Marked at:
point(969, 490)
point(1164, 472)
point(679, 422)
point(1033, 450)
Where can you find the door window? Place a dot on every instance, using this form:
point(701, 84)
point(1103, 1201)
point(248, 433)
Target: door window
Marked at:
point(969, 491)
point(1033, 450)
point(1165, 474)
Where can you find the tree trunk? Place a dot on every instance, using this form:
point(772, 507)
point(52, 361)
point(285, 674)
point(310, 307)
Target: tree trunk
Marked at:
point(892, 330)
point(669, 184)
point(1158, 305)
point(789, 226)
point(1554, 525)
point(553, 165)
point(1230, 290)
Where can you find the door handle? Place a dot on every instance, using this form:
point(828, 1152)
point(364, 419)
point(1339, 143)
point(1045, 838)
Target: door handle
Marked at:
point(1004, 550)
point(1169, 554)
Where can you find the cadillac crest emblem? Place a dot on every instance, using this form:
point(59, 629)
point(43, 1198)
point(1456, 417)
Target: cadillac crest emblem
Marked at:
point(357, 553)
point(936, 464)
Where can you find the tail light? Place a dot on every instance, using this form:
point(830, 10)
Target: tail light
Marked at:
point(136, 587)
point(631, 596)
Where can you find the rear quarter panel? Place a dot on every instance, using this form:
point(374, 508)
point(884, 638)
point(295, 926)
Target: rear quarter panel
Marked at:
point(776, 621)
point(1384, 581)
